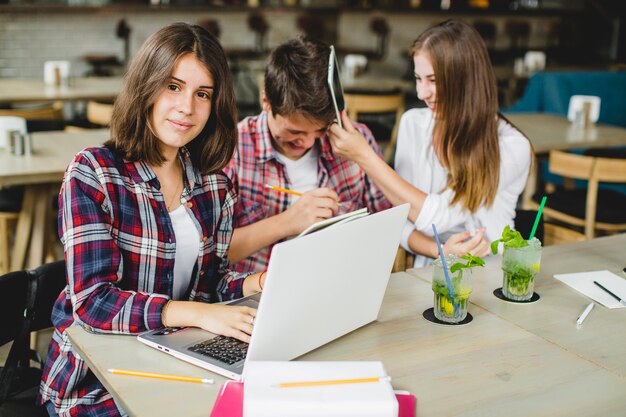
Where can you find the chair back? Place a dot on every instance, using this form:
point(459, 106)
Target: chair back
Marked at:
point(357, 103)
point(610, 170)
point(99, 113)
point(47, 282)
point(13, 288)
point(571, 165)
point(595, 170)
point(53, 111)
point(26, 302)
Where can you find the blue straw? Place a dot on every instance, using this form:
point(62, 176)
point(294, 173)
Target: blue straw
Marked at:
point(445, 267)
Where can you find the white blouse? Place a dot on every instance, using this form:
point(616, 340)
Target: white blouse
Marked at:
point(417, 163)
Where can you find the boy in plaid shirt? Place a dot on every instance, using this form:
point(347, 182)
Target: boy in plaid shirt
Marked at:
point(287, 146)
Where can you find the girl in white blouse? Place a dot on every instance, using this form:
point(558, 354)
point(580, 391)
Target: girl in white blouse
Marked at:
point(460, 164)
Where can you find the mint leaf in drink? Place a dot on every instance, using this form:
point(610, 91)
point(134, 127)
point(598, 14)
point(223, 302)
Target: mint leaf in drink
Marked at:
point(511, 238)
point(471, 262)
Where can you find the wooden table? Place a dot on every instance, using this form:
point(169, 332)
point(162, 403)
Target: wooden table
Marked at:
point(553, 317)
point(13, 90)
point(549, 132)
point(369, 83)
point(514, 360)
point(41, 173)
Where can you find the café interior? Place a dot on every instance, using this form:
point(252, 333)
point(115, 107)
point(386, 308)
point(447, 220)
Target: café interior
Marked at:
point(560, 67)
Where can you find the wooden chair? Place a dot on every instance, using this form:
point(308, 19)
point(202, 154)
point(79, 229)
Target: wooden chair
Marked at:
point(357, 104)
point(54, 111)
point(8, 219)
point(404, 260)
point(26, 301)
point(593, 208)
point(557, 235)
point(99, 113)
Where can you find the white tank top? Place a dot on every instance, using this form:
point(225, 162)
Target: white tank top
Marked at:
point(187, 250)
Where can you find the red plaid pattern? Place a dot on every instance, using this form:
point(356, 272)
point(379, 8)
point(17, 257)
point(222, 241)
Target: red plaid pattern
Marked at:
point(255, 164)
point(120, 250)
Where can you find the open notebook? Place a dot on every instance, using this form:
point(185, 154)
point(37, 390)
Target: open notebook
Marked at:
point(342, 218)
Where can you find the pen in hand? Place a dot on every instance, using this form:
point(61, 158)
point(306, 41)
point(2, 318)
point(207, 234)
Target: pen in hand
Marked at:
point(584, 314)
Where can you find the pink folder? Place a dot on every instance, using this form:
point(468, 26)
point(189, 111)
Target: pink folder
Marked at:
point(229, 402)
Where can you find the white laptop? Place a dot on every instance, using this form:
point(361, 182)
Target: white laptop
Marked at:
point(318, 288)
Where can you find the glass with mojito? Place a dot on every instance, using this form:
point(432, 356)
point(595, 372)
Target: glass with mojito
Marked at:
point(521, 261)
point(520, 265)
point(453, 309)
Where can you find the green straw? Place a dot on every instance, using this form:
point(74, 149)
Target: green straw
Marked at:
point(543, 203)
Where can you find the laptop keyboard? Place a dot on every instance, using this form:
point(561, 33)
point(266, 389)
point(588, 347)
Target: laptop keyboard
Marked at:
point(222, 348)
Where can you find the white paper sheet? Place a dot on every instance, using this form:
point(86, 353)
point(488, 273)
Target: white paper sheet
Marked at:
point(583, 282)
point(263, 397)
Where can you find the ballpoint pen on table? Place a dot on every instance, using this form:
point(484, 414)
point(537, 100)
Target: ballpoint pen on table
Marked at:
point(160, 376)
point(612, 294)
point(584, 314)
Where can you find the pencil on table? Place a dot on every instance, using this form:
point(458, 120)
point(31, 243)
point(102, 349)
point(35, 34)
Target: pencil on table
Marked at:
point(160, 376)
point(332, 382)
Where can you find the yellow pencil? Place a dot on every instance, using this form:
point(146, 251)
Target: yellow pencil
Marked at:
point(332, 382)
point(283, 190)
point(160, 376)
point(288, 191)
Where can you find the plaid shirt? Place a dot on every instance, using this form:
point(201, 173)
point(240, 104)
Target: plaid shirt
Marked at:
point(255, 164)
point(120, 249)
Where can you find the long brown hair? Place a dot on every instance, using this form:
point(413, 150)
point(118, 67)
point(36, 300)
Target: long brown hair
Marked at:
point(465, 136)
point(132, 135)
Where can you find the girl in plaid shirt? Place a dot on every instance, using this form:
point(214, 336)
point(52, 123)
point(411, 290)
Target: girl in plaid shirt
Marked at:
point(146, 219)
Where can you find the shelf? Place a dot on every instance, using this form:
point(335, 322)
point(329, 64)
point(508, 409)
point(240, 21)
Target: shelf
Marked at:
point(346, 6)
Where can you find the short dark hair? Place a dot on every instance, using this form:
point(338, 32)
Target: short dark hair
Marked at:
point(132, 133)
point(296, 79)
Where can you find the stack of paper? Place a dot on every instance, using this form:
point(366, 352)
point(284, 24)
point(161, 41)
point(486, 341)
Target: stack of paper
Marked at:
point(264, 397)
point(583, 282)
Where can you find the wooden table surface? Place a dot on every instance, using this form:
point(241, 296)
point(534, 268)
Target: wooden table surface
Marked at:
point(41, 173)
point(52, 152)
point(512, 359)
point(17, 90)
point(551, 131)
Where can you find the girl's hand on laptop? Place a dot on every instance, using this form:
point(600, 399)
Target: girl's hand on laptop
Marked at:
point(348, 142)
point(463, 243)
point(311, 207)
point(232, 321)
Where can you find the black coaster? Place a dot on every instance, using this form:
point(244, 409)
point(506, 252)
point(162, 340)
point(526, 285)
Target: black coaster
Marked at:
point(429, 315)
point(498, 293)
